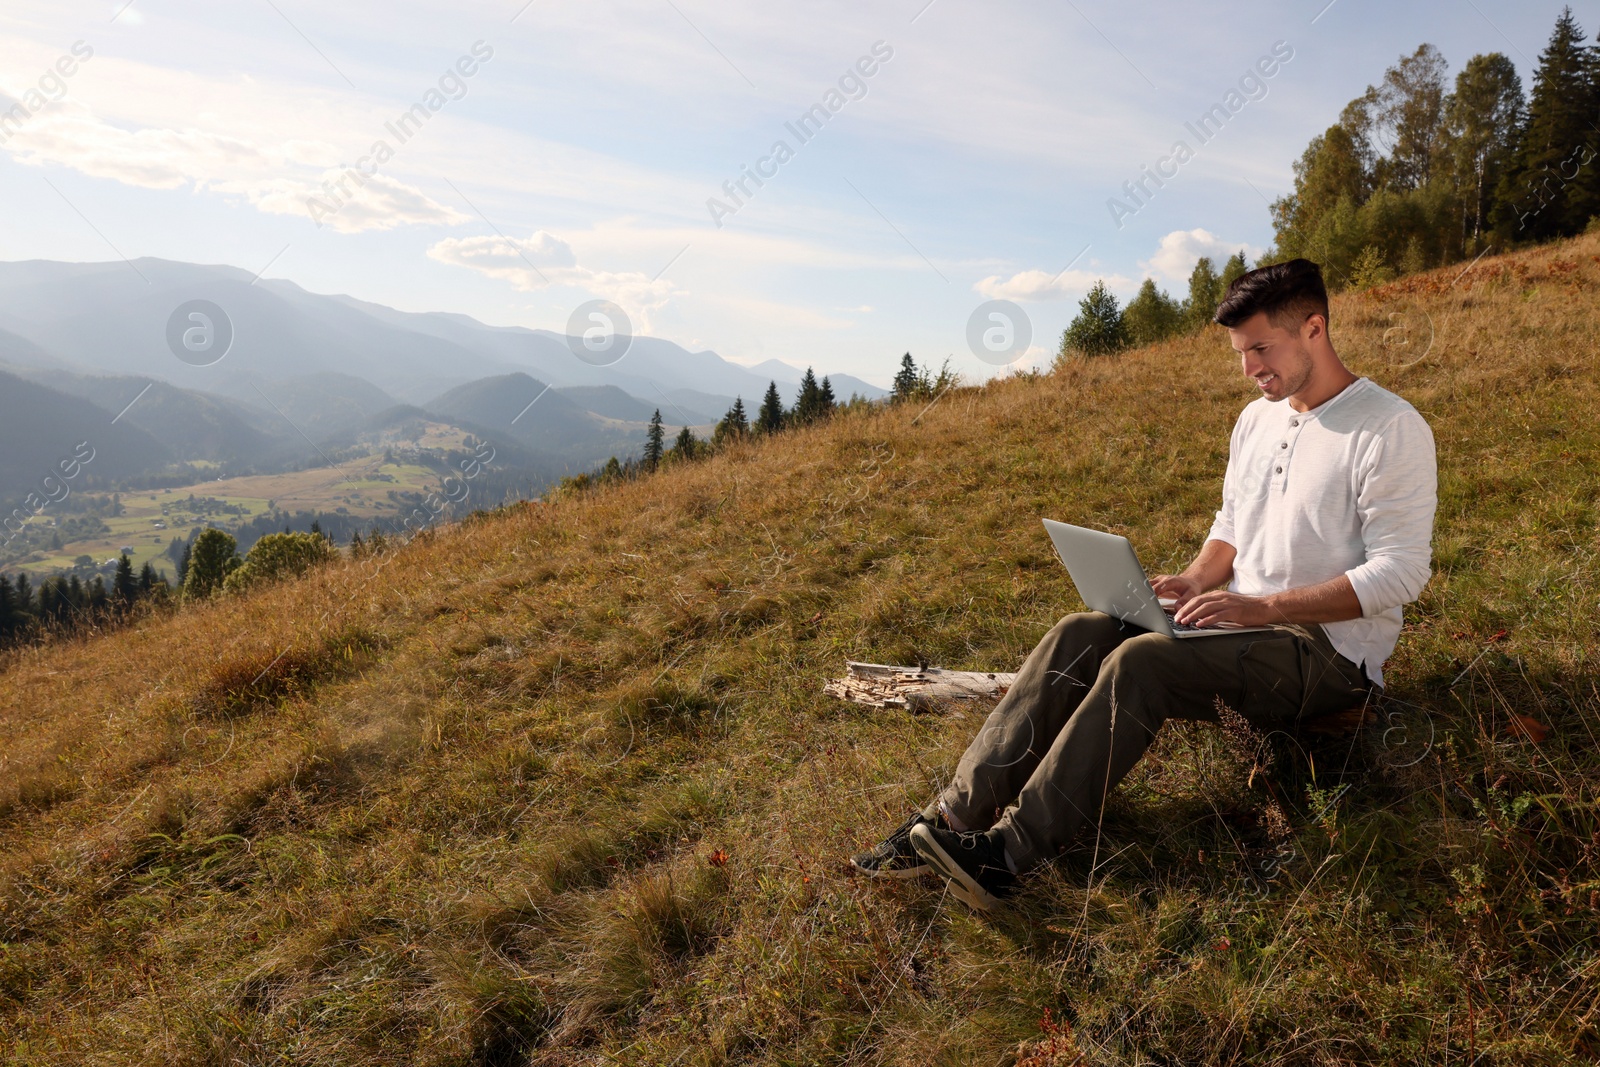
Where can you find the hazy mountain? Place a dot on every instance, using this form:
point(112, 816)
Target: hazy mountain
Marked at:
point(305, 369)
point(524, 410)
point(112, 318)
point(843, 384)
point(191, 425)
point(19, 352)
point(40, 427)
point(613, 403)
point(322, 406)
point(846, 384)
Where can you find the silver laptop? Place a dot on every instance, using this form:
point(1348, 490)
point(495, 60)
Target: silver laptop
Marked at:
point(1108, 576)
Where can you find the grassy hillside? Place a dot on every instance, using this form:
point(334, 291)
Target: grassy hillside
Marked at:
point(559, 784)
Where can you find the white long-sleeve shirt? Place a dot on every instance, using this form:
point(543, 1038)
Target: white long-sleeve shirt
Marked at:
point(1349, 487)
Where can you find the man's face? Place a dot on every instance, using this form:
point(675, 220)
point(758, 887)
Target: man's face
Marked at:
point(1278, 360)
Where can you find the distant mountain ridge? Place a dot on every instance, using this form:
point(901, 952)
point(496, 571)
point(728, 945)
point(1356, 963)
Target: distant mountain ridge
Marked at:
point(306, 371)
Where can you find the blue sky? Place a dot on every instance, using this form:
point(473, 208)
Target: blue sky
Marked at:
point(577, 160)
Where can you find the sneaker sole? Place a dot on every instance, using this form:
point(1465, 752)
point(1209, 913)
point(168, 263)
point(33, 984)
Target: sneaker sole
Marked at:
point(901, 873)
point(962, 884)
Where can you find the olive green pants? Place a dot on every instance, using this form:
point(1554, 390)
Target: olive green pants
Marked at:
point(1089, 701)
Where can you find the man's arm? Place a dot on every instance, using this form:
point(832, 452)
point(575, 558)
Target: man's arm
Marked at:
point(1211, 568)
point(1201, 603)
point(1334, 600)
point(1396, 507)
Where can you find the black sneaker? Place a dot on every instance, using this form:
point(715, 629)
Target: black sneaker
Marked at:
point(973, 864)
point(894, 858)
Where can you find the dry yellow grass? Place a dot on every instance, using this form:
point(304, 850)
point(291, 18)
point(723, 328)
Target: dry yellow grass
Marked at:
point(559, 785)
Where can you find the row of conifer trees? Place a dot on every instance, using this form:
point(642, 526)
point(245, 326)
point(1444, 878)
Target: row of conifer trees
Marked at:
point(815, 402)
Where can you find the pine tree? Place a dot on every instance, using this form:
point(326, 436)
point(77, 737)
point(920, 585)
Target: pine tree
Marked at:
point(1098, 329)
point(905, 382)
point(826, 400)
point(183, 563)
point(124, 586)
point(653, 443)
point(9, 623)
point(148, 579)
point(1550, 189)
point(215, 557)
point(808, 401)
point(733, 425)
point(770, 418)
point(684, 447)
point(24, 595)
point(358, 547)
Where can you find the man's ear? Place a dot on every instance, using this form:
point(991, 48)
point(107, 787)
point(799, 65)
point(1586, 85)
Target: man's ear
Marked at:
point(1315, 326)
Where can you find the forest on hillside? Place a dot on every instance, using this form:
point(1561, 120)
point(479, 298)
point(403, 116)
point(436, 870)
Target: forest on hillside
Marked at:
point(1417, 172)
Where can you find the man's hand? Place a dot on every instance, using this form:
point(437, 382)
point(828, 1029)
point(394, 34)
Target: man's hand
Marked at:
point(1219, 605)
point(1176, 587)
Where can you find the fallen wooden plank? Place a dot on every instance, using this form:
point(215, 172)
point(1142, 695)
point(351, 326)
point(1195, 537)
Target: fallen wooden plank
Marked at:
point(882, 685)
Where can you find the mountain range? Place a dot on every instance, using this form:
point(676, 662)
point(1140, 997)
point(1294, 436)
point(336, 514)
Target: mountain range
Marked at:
point(306, 372)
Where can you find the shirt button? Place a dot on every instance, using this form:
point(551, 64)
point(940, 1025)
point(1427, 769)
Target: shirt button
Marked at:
point(1295, 423)
point(1283, 444)
point(1280, 470)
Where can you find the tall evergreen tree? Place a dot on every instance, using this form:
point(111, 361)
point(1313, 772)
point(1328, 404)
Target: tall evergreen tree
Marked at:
point(905, 379)
point(1098, 329)
point(770, 418)
point(826, 401)
point(653, 443)
point(184, 560)
point(215, 557)
point(10, 623)
point(808, 400)
point(685, 446)
point(734, 424)
point(1550, 189)
point(124, 585)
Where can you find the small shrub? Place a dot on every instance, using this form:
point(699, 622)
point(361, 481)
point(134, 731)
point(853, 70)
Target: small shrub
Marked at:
point(277, 556)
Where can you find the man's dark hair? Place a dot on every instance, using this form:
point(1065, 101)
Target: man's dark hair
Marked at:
point(1290, 293)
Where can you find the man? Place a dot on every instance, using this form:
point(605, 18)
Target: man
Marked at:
point(1324, 534)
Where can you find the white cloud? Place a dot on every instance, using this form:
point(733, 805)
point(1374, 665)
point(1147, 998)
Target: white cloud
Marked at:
point(1180, 250)
point(544, 261)
point(1042, 285)
point(279, 179)
point(381, 203)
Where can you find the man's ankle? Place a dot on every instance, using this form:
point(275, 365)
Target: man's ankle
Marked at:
point(951, 820)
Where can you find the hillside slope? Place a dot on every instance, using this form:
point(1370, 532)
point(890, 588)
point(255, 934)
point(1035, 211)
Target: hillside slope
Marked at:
point(559, 785)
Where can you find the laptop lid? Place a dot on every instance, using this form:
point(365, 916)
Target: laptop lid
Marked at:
point(1107, 573)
